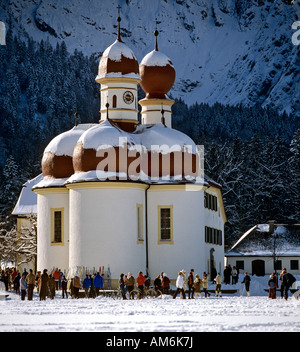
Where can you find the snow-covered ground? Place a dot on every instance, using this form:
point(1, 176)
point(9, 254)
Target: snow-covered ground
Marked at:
point(231, 313)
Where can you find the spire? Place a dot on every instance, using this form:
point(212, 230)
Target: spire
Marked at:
point(156, 34)
point(119, 20)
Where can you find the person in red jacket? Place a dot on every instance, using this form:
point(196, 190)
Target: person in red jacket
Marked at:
point(165, 283)
point(140, 280)
point(56, 275)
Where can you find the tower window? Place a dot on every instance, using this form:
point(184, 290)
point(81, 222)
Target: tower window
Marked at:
point(114, 102)
point(210, 201)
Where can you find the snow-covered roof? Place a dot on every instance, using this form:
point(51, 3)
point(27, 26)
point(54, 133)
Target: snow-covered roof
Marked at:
point(157, 137)
point(104, 135)
point(64, 143)
point(259, 241)
point(48, 181)
point(156, 58)
point(27, 201)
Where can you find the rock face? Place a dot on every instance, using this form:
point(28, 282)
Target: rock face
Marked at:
point(234, 51)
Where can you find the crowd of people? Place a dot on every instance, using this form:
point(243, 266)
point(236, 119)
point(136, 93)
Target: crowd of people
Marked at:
point(47, 284)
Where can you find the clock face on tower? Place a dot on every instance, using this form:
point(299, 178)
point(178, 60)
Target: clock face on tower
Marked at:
point(128, 97)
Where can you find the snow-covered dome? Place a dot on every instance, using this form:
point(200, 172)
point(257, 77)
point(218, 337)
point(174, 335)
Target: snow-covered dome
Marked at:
point(57, 157)
point(118, 61)
point(161, 139)
point(107, 148)
point(96, 144)
point(170, 152)
point(157, 74)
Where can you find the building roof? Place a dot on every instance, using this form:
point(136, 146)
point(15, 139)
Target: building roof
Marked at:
point(260, 241)
point(27, 201)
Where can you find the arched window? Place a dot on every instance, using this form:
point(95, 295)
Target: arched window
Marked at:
point(114, 101)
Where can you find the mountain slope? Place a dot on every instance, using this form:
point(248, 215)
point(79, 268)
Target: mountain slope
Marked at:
point(234, 51)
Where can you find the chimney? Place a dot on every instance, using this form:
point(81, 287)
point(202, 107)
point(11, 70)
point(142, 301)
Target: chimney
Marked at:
point(271, 226)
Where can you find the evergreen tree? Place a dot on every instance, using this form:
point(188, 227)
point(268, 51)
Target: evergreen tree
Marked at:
point(11, 187)
point(294, 184)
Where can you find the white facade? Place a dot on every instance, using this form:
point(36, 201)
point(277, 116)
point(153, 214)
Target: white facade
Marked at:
point(52, 254)
point(103, 226)
point(117, 224)
point(187, 249)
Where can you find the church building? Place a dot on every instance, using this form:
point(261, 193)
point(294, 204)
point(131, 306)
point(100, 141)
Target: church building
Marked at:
point(129, 193)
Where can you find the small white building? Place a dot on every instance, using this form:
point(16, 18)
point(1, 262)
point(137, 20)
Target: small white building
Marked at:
point(266, 248)
point(124, 194)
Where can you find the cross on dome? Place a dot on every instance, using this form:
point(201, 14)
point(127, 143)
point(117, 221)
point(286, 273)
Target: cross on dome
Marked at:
point(119, 28)
point(156, 33)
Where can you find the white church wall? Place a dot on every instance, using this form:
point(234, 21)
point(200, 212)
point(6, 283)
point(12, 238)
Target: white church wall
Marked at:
point(103, 227)
point(185, 251)
point(52, 254)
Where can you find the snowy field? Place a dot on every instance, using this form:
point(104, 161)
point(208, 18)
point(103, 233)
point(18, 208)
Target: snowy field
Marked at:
point(231, 313)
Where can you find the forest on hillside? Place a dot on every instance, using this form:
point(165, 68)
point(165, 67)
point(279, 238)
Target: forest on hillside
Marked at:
point(253, 152)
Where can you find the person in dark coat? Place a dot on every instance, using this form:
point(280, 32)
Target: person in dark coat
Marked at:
point(92, 292)
point(23, 286)
point(191, 284)
point(246, 281)
point(226, 275)
point(17, 283)
point(64, 285)
point(51, 286)
point(286, 283)
point(122, 286)
point(283, 271)
point(157, 283)
point(43, 286)
point(5, 279)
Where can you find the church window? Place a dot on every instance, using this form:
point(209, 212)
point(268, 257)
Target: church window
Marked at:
point(140, 232)
point(210, 201)
point(213, 236)
point(57, 227)
point(165, 228)
point(114, 104)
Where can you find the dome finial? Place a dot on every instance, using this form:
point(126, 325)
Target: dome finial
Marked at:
point(156, 34)
point(119, 20)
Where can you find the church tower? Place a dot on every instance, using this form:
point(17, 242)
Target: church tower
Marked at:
point(118, 74)
point(158, 76)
